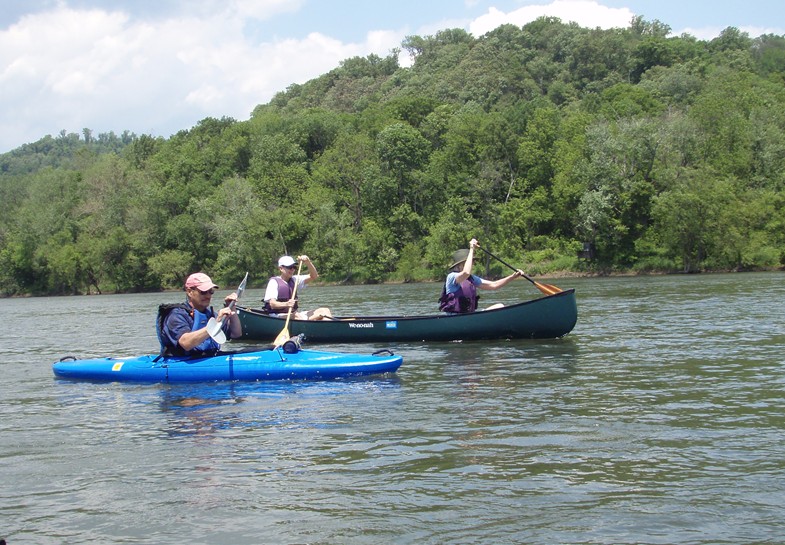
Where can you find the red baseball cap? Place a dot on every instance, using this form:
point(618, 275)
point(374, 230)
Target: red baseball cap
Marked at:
point(200, 281)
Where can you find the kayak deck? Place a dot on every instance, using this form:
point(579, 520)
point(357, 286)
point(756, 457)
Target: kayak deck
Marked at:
point(275, 364)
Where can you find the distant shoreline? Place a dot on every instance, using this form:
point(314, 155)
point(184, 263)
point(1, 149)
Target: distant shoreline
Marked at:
point(550, 276)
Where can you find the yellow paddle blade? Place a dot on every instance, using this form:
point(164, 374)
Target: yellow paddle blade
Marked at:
point(282, 337)
point(548, 289)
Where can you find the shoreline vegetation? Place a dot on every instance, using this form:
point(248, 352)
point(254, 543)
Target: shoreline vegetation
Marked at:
point(646, 153)
point(552, 276)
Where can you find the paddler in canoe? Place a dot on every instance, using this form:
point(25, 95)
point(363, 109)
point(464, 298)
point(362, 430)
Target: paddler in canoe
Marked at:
point(459, 294)
point(280, 296)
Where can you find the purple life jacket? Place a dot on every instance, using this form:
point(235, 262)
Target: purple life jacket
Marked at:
point(462, 301)
point(285, 290)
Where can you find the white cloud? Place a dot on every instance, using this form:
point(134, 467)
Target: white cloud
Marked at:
point(586, 13)
point(70, 69)
point(106, 69)
point(590, 14)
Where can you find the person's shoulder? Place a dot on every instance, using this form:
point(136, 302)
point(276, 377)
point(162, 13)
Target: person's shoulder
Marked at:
point(451, 282)
point(181, 311)
point(173, 312)
point(165, 309)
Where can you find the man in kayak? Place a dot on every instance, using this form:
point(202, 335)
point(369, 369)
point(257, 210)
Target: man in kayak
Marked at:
point(184, 329)
point(459, 294)
point(278, 295)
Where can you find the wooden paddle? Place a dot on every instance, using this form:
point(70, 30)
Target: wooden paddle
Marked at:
point(283, 336)
point(547, 289)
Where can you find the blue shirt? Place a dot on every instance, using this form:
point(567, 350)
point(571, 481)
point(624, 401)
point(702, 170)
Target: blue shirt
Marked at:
point(180, 322)
point(451, 287)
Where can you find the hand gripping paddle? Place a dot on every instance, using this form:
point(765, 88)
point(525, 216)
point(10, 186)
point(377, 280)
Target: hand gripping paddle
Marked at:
point(214, 326)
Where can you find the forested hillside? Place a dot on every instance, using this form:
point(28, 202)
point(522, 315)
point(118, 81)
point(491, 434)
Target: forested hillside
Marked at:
point(663, 153)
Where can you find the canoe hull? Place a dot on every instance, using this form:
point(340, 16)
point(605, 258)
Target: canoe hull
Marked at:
point(241, 366)
point(545, 318)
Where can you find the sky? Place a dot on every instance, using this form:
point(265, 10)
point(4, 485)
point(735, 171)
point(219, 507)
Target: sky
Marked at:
point(160, 66)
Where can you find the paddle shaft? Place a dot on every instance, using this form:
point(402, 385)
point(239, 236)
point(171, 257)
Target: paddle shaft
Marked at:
point(240, 290)
point(283, 336)
point(214, 326)
point(503, 262)
point(545, 288)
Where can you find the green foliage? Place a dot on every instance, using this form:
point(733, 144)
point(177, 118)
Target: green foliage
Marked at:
point(696, 220)
point(666, 153)
point(171, 268)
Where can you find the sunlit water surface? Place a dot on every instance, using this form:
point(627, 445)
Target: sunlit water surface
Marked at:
point(658, 420)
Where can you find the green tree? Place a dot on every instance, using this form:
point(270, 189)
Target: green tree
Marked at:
point(347, 168)
point(689, 219)
point(403, 151)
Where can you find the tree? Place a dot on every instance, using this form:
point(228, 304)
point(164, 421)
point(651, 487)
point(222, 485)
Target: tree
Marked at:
point(403, 150)
point(689, 218)
point(665, 152)
point(348, 168)
point(768, 51)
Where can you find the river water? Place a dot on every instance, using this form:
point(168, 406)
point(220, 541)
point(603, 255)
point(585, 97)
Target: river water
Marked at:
point(658, 420)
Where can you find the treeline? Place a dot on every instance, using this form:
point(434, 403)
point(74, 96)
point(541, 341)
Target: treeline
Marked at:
point(660, 153)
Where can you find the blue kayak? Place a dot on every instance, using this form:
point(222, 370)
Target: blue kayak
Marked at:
point(273, 364)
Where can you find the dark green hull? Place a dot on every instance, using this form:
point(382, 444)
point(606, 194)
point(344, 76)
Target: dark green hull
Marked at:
point(546, 318)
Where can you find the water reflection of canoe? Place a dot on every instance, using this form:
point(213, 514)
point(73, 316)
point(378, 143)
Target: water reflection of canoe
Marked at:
point(275, 364)
point(545, 318)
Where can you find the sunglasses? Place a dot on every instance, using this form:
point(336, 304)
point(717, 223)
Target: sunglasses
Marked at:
point(290, 267)
point(208, 292)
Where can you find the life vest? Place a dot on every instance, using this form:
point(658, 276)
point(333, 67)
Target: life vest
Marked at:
point(462, 301)
point(285, 290)
point(200, 319)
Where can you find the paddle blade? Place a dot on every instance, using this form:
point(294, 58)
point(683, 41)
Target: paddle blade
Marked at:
point(548, 289)
point(282, 337)
point(215, 331)
point(241, 288)
point(239, 291)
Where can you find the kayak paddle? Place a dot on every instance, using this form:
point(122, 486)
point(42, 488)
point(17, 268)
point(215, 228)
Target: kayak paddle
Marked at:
point(283, 336)
point(547, 289)
point(214, 326)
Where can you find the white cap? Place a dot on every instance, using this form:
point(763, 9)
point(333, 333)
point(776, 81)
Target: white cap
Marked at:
point(286, 261)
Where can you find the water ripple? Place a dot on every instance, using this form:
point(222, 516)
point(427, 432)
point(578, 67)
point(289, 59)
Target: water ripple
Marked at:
point(657, 421)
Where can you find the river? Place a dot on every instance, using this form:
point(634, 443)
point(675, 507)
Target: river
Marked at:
point(658, 420)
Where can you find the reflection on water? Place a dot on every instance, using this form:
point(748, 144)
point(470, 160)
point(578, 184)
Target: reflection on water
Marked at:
point(202, 409)
point(658, 420)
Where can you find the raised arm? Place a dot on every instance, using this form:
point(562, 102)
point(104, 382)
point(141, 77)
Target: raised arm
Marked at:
point(468, 264)
point(312, 272)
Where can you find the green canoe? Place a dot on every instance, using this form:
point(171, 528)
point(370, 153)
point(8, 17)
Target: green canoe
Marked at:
point(545, 318)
